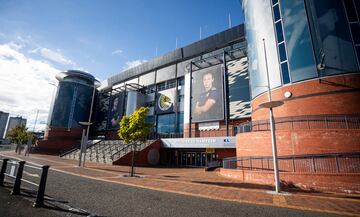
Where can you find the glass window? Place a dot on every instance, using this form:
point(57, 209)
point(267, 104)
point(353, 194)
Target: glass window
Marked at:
point(260, 25)
point(334, 45)
point(350, 9)
point(62, 105)
point(282, 52)
point(276, 12)
point(357, 6)
point(285, 73)
point(279, 32)
point(355, 29)
point(181, 122)
point(358, 53)
point(181, 81)
point(298, 41)
point(82, 105)
point(274, 1)
point(166, 124)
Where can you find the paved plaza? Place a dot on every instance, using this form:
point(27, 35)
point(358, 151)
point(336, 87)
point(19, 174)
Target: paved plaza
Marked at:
point(100, 185)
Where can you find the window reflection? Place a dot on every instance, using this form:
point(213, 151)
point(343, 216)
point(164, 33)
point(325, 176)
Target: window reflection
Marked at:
point(298, 41)
point(333, 40)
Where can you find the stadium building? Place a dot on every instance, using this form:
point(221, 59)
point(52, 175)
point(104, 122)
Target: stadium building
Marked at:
point(206, 99)
point(197, 96)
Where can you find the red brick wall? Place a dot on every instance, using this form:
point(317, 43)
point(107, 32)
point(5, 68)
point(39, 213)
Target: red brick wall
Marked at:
point(330, 95)
point(225, 152)
point(59, 140)
point(328, 182)
point(60, 133)
point(298, 142)
point(195, 132)
point(141, 156)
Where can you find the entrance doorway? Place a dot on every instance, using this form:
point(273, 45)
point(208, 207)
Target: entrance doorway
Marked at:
point(196, 159)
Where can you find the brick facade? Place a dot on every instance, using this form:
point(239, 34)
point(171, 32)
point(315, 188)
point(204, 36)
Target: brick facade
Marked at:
point(330, 95)
point(298, 142)
point(59, 140)
point(195, 132)
point(328, 182)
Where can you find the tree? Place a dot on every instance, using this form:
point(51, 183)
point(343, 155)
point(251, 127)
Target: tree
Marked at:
point(134, 131)
point(19, 135)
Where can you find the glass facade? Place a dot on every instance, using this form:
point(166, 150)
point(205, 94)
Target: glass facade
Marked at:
point(313, 38)
point(72, 104)
point(259, 25)
point(166, 124)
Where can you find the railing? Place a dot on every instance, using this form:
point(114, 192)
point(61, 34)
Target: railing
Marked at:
point(303, 122)
point(312, 163)
point(14, 170)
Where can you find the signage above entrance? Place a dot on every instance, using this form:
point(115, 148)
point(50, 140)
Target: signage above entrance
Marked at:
point(204, 142)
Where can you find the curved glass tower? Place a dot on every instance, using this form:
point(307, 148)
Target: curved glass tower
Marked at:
point(304, 39)
point(73, 99)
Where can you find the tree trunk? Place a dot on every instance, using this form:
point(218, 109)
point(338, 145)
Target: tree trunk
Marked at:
point(132, 160)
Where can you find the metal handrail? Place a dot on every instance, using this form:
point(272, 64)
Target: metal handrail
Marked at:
point(303, 122)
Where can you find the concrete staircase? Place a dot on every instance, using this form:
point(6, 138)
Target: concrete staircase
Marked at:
point(104, 151)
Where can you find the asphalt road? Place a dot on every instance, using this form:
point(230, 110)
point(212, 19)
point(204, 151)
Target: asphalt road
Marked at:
point(77, 196)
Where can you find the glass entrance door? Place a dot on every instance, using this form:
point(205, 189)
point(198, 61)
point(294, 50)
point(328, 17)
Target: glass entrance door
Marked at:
point(194, 159)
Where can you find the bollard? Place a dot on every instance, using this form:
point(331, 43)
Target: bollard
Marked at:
point(2, 172)
point(17, 184)
point(41, 191)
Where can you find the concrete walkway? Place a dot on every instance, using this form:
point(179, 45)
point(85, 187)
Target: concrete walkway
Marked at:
point(197, 182)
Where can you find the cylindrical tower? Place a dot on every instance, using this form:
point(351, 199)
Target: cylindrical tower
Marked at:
point(73, 99)
point(71, 105)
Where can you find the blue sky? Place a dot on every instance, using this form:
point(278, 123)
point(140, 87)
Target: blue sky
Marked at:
point(90, 32)
point(40, 38)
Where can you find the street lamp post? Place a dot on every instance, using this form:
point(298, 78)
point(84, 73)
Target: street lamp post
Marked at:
point(83, 143)
point(85, 139)
point(272, 104)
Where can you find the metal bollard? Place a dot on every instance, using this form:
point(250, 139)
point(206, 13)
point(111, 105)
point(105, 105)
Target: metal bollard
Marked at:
point(3, 170)
point(17, 184)
point(41, 191)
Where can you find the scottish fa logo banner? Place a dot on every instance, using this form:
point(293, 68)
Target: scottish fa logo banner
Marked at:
point(165, 101)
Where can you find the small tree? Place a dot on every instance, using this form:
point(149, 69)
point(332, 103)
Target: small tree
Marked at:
point(19, 135)
point(134, 131)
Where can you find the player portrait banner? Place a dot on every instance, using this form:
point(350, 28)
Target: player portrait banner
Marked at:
point(116, 110)
point(166, 101)
point(207, 95)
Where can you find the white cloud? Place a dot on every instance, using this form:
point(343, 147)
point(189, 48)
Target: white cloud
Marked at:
point(118, 51)
point(53, 56)
point(24, 85)
point(131, 64)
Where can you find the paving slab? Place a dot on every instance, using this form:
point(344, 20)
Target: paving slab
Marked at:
point(196, 182)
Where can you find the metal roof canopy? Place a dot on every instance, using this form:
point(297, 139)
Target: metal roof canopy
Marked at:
point(209, 44)
point(216, 59)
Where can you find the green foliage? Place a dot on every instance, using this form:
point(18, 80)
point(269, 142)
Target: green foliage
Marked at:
point(19, 135)
point(133, 128)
